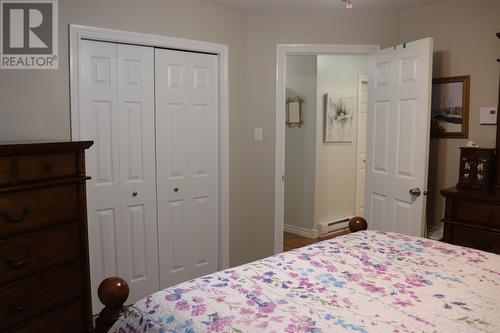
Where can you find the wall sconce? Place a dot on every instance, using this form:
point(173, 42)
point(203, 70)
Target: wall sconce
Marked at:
point(294, 112)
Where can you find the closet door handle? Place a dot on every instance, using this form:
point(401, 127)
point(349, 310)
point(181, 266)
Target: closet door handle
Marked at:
point(134, 194)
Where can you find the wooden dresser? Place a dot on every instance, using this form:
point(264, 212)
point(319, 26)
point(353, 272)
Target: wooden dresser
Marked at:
point(44, 269)
point(472, 218)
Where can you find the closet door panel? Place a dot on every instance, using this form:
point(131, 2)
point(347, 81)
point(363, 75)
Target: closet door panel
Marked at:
point(203, 166)
point(139, 246)
point(186, 164)
point(117, 112)
point(172, 138)
point(99, 122)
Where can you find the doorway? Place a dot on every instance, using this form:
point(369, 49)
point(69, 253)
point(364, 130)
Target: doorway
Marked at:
point(310, 54)
point(325, 152)
point(398, 135)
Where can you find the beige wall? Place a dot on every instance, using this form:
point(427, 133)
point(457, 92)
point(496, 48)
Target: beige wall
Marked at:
point(464, 44)
point(300, 143)
point(338, 75)
point(35, 103)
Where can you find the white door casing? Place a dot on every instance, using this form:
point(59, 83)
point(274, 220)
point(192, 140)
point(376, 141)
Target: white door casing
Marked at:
point(117, 112)
point(362, 122)
point(398, 136)
point(186, 150)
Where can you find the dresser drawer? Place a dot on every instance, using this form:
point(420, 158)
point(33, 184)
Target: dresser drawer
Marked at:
point(471, 237)
point(476, 212)
point(24, 211)
point(43, 166)
point(5, 170)
point(22, 256)
point(66, 318)
point(34, 296)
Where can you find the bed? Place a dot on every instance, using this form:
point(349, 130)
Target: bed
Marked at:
point(367, 281)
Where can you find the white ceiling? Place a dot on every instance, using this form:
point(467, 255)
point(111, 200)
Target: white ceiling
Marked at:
point(323, 4)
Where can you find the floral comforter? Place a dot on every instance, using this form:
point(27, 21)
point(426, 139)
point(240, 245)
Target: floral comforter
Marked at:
point(364, 282)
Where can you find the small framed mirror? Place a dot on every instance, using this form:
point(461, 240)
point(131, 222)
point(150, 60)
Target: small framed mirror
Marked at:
point(294, 112)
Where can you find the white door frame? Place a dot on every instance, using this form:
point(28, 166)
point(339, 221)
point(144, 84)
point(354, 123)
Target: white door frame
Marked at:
point(361, 79)
point(79, 32)
point(282, 50)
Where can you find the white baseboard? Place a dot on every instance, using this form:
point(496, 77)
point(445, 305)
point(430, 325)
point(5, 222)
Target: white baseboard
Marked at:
point(304, 232)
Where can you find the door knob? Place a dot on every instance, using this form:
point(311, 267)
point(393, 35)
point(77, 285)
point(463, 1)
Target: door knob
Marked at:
point(134, 194)
point(415, 192)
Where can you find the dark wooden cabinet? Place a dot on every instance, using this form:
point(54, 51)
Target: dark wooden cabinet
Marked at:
point(44, 264)
point(472, 218)
point(477, 168)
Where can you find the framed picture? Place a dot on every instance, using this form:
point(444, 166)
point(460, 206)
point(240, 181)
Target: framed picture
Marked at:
point(450, 107)
point(338, 118)
point(294, 112)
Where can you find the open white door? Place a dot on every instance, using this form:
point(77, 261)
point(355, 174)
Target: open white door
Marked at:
point(399, 102)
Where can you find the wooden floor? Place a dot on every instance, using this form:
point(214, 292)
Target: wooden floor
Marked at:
point(291, 241)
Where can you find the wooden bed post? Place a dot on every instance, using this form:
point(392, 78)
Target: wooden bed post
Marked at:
point(113, 293)
point(357, 223)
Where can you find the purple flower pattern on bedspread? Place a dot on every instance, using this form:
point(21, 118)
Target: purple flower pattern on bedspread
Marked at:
point(363, 282)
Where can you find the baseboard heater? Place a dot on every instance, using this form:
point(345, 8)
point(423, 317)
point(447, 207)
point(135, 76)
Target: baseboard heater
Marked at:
point(332, 226)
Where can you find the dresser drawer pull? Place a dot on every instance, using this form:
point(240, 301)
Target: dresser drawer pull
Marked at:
point(10, 218)
point(22, 307)
point(50, 167)
point(483, 246)
point(14, 264)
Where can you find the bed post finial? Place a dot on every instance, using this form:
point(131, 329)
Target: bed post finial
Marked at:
point(113, 293)
point(357, 223)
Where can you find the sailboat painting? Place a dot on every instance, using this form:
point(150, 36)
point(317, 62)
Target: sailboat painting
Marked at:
point(450, 107)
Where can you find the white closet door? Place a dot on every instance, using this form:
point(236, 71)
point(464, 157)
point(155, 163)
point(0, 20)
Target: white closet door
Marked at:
point(116, 101)
point(186, 130)
point(137, 169)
